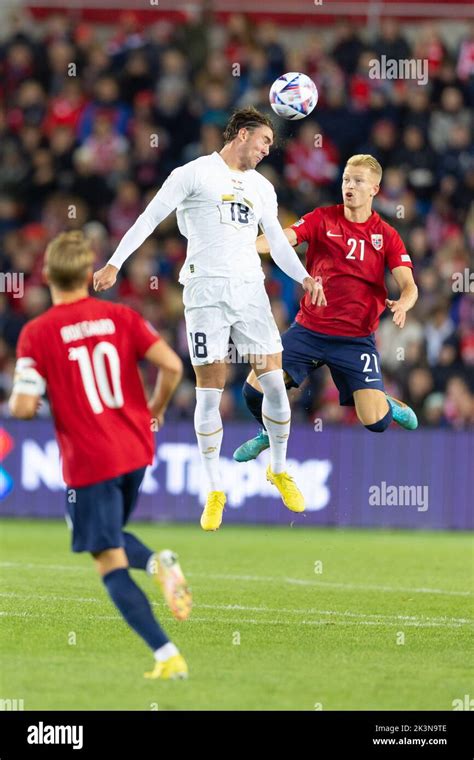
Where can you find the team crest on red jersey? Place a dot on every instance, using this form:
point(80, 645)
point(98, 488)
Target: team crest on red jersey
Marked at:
point(377, 242)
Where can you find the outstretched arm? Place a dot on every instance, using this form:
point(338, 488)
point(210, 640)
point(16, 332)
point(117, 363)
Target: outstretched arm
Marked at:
point(155, 212)
point(280, 250)
point(174, 190)
point(263, 244)
point(408, 295)
point(287, 259)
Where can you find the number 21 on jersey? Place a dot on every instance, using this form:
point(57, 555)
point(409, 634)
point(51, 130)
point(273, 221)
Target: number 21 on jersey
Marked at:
point(353, 246)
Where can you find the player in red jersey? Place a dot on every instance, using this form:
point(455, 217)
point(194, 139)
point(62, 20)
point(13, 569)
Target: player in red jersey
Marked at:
point(349, 247)
point(84, 352)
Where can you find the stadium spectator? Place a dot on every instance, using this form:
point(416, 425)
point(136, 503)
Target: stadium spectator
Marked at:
point(88, 150)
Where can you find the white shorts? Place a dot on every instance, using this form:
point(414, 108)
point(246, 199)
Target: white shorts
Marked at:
point(219, 308)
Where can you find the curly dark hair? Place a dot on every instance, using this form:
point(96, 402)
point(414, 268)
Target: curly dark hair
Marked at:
point(249, 118)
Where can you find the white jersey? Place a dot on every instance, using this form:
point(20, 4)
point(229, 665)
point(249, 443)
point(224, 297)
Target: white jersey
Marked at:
point(219, 210)
point(219, 215)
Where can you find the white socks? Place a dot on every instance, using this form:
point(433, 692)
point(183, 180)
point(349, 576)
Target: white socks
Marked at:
point(208, 427)
point(165, 652)
point(276, 415)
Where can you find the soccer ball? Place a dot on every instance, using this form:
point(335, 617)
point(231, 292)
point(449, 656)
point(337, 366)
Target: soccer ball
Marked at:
point(293, 95)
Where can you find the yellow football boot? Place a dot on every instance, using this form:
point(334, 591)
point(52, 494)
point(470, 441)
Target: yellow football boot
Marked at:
point(167, 573)
point(211, 518)
point(173, 668)
point(290, 493)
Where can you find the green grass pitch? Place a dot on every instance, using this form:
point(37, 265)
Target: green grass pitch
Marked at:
point(284, 619)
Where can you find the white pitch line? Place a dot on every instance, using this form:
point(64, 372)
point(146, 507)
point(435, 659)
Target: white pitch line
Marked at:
point(343, 613)
point(39, 566)
point(328, 623)
point(251, 621)
point(361, 616)
point(371, 587)
point(330, 584)
point(263, 578)
point(52, 597)
point(5, 613)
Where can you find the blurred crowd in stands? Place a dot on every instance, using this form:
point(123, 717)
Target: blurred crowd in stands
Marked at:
point(93, 118)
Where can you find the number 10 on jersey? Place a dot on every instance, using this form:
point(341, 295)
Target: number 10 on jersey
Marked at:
point(97, 386)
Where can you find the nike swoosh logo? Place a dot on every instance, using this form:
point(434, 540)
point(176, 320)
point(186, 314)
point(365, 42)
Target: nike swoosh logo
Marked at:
point(372, 379)
point(333, 234)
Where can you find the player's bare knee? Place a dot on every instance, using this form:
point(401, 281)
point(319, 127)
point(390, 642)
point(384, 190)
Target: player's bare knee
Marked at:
point(367, 416)
point(210, 375)
point(371, 409)
point(108, 560)
point(265, 363)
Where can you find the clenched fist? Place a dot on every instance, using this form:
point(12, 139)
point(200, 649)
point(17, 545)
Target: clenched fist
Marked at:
point(104, 278)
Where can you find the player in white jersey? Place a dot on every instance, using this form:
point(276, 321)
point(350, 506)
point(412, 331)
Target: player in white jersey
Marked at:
point(220, 201)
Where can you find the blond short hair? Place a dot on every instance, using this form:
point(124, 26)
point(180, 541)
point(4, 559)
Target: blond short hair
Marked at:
point(68, 260)
point(365, 159)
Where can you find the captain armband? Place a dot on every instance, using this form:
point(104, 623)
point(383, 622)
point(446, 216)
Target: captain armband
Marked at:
point(27, 379)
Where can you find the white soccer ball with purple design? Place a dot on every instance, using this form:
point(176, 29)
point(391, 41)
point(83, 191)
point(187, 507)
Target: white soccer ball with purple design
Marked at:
point(293, 96)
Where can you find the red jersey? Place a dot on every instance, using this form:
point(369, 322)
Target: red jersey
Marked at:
point(350, 258)
point(87, 354)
